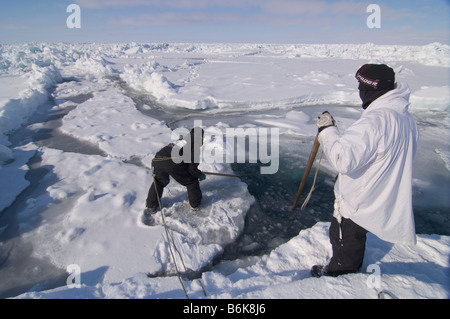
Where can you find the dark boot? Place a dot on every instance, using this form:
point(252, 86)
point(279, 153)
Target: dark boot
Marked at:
point(348, 241)
point(194, 194)
point(147, 216)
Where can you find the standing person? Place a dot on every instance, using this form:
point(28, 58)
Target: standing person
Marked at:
point(374, 159)
point(183, 169)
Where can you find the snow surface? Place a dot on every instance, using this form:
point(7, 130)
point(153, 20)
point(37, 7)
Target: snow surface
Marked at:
point(406, 272)
point(88, 212)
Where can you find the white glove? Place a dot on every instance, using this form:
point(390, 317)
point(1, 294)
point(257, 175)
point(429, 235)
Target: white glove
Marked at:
point(325, 120)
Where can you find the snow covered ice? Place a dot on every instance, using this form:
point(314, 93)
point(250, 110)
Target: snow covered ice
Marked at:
point(115, 106)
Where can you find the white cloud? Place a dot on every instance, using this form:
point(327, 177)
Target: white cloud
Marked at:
point(165, 18)
point(179, 4)
point(292, 7)
point(282, 7)
point(99, 4)
point(259, 12)
point(175, 18)
point(14, 27)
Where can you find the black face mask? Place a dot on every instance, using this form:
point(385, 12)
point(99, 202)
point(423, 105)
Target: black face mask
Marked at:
point(368, 97)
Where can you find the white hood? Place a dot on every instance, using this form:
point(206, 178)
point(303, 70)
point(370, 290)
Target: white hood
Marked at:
point(400, 95)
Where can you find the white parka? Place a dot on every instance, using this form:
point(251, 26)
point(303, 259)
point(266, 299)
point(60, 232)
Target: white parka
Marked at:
point(374, 158)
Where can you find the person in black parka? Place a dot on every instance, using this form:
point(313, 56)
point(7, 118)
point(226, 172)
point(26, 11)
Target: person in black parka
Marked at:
point(182, 168)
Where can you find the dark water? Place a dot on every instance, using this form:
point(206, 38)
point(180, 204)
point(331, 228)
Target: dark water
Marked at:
point(271, 220)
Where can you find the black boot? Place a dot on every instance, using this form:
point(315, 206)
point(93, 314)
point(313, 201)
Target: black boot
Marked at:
point(147, 216)
point(321, 270)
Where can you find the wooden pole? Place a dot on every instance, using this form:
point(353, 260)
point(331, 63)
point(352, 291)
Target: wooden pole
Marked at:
point(312, 157)
point(227, 175)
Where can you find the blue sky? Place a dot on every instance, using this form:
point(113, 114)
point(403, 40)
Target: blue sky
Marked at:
point(251, 21)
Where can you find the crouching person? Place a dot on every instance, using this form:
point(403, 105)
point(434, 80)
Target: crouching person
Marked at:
point(183, 171)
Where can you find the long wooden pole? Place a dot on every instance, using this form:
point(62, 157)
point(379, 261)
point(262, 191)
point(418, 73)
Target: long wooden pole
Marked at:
point(312, 157)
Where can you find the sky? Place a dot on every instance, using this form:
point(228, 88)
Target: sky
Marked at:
point(415, 22)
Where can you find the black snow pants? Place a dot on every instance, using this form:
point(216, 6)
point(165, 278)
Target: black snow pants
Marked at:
point(348, 241)
point(180, 173)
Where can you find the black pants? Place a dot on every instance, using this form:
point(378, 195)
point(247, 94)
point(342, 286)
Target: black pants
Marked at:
point(163, 170)
point(348, 250)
